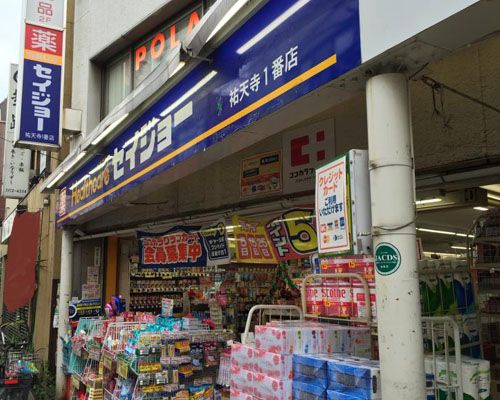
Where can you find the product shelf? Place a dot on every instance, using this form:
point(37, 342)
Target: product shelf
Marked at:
point(493, 267)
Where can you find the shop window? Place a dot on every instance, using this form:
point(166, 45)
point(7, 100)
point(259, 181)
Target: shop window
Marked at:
point(118, 82)
point(121, 75)
point(157, 47)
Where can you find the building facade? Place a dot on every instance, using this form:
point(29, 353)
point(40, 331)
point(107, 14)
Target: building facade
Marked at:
point(179, 104)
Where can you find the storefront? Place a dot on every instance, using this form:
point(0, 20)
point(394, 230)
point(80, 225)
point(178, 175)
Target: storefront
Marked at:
point(196, 195)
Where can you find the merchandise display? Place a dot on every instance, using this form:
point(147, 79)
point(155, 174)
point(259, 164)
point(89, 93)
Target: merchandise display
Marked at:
point(289, 359)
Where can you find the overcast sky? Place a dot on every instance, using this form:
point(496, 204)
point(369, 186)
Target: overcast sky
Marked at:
point(10, 26)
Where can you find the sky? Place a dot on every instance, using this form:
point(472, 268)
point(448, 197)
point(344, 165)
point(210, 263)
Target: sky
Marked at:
point(10, 28)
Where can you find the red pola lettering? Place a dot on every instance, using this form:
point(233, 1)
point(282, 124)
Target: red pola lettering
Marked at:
point(156, 47)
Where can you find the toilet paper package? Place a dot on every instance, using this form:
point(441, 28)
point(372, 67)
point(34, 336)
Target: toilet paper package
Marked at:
point(242, 380)
point(313, 338)
point(268, 388)
point(310, 369)
point(236, 394)
point(276, 339)
point(355, 377)
point(307, 391)
point(483, 376)
point(277, 366)
point(338, 395)
point(242, 356)
point(446, 376)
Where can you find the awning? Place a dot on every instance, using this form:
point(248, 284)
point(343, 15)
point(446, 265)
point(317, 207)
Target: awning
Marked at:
point(20, 269)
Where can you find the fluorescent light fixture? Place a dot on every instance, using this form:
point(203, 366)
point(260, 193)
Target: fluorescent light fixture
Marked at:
point(54, 181)
point(178, 68)
point(99, 166)
point(481, 208)
point(230, 14)
point(437, 231)
point(442, 254)
point(63, 172)
point(428, 201)
point(189, 93)
point(459, 247)
point(108, 129)
point(493, 197)
point(82, 179)
point(440, 232)
point(272, 26)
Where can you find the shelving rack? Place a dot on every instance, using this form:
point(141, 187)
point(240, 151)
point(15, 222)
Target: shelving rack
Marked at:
point(484, 253)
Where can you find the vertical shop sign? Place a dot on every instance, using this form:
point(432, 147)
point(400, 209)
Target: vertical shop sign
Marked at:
point(184, 246)
point(304, 150)
point(261, 174)
point(332, 207)
point(39, 105)
point(16, 162)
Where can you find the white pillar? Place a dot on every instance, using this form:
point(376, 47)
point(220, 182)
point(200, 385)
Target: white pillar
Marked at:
point(394, 237)
point(64, 298)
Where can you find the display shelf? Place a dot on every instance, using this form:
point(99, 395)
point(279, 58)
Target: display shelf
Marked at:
point(489, 291)
point(486, 266)
point(439, 271)
point(487, 239)
point(178, 290)
point(485, 261)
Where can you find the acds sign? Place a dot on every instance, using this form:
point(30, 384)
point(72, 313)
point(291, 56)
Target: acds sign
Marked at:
point(387, 258)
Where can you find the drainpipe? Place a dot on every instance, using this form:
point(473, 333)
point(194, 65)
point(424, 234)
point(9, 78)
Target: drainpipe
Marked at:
point(64, 298)
point(392, 185)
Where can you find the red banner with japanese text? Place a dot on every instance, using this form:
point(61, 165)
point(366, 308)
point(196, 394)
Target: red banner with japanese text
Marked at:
point(289, 235)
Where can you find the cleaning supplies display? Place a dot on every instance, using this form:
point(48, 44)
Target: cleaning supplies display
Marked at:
point(335, 376)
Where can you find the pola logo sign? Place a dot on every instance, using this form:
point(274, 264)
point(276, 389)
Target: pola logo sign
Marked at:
point(387, 258)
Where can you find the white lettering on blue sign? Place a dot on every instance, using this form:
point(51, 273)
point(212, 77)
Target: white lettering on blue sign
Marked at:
point(40, 99)
point(280, 66)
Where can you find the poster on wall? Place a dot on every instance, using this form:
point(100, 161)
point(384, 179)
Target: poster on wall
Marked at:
point(332, 207)
point(289, 235)
point(91, 291)
point(184, 246)
point(305, 149)
point(261, 174)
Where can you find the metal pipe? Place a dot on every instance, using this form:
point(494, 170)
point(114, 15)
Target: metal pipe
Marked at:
point(64, 298)
point(392, 183)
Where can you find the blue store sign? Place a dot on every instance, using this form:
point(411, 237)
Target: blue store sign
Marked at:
point(287, 49)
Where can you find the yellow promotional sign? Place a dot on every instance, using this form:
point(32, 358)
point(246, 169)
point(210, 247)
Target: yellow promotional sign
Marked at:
point(289, 235)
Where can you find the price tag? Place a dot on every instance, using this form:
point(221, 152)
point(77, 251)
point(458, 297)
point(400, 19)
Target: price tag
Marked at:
point(122, 369)
point(75, 382)
point(107, 361)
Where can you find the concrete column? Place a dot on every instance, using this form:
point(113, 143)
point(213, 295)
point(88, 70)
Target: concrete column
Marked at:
point(392, 185)
point(64, 298)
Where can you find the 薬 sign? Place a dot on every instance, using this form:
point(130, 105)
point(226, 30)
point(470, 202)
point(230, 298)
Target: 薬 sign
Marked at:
point(39, 105)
